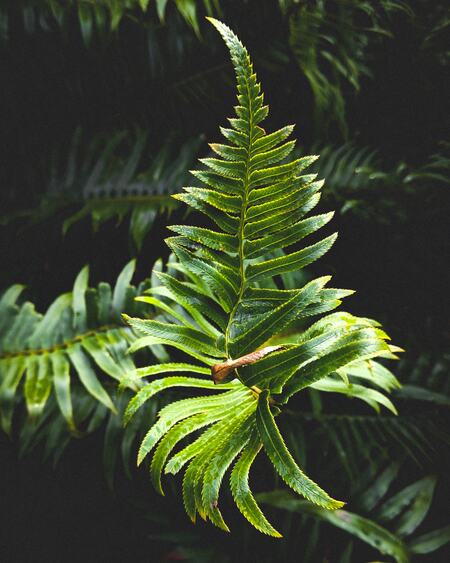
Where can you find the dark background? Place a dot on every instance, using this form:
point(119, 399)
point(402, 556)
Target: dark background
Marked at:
point(166, 80)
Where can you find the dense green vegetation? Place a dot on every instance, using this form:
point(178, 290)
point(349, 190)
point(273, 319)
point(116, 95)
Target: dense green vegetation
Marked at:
point(107, 107)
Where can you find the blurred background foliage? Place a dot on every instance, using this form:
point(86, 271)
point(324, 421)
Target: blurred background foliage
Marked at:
point(104, 106)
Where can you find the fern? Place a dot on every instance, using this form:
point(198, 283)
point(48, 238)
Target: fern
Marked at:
point(81, 332)
point(389, 525)
point(426, 378)
point(100, 18)
point(359, 182)
point(232, 312)
point(49, 435)
point(96, 178)
point(330, 41)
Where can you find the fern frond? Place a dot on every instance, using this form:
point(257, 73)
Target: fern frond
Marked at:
point(101, 18)
point(363, 528)
point(49, 435)
point(356, 445)
point(80, 333)
point(230, 315)
point(425, 379)
point(103, 184)
point(358, 181)
point(388, 524)
point(330, 41)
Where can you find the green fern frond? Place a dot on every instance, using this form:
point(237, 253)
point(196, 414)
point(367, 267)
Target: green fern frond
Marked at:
point(348, 167)
point(112, 187)
point(426, 379)
point(389, 525)
point(359, 440)
point(231, 316)
point(358, 181)
point(80, 333)
point(330, 41)
point(356, 443)
point(101, 18)
point(104, 184)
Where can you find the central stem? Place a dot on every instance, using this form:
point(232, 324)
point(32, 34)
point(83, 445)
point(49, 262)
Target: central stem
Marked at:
point(241, 226)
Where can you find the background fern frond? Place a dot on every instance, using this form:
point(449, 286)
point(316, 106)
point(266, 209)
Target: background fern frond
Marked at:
point(112, 177)
point(101, 18)
point(49, 436)
point(80, 335)
point(359, 182)
point(330, 41)
point(390, 521)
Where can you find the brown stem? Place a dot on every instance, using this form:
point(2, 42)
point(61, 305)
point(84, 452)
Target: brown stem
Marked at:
point(220, 371)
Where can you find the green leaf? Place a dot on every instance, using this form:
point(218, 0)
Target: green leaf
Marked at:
point(161, 8)
point(430, 542)
point(99, 353)
point(358, 526)
point(87, 376)
point(142, 219)
point(197, 304)
point(278, 319)
point(160, 385)
point(78, 300)
point(357, 345)
point(175, 335)
point(267, 142)
point(418, 393)
point(370, 396)
point(282, 460)
point(120, 289)
point(217, 466)
point(413, 502)
point(12, 376)
point(223, 288)
point(171, 439)
point(292, 234)
point(49, 327)
point(231, 294)
point(38, 347)
point(378, 488)
point(223, 202)
point(374, 372)
point(290, 262)
point(241, 491)
point(266, 372)
point(170, 368)
point(7, 306)
point(37, 384)
point(171, 311)
point(61, 383)
point(240, 404)
point(154, 342)
point(212, 239)
point(188, 10)
point(203, 451)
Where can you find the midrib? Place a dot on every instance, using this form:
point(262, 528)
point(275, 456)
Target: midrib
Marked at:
point(241, 227)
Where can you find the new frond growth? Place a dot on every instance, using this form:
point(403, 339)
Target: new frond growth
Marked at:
point(224, 308)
